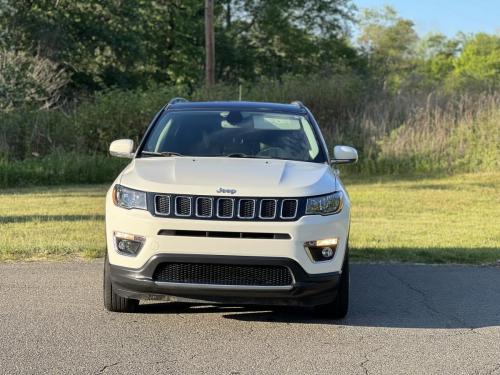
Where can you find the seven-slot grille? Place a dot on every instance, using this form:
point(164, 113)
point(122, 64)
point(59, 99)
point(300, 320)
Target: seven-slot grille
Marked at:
point(204, 207)
point(223, 274)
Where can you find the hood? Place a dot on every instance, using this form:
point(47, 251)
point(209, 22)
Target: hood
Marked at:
point(229, 176)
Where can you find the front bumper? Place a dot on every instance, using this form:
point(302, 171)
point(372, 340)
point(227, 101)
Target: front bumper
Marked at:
point(306, 289)
point(307, 228)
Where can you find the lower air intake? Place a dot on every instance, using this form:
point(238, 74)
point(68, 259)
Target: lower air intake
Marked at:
point(223, 274)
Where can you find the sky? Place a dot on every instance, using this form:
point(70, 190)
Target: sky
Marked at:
point(445, 16)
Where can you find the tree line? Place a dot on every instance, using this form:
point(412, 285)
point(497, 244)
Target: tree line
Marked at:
point(55, 51)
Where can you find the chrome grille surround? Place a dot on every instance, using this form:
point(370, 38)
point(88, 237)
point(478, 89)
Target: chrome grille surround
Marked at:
point(286, 210)
point(202, 207)
point(268, 208)
point(183, 205)
point(162, 204)
point(226, 206)
point(246, 208)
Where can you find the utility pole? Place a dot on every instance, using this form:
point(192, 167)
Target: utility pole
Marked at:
point(209, 43)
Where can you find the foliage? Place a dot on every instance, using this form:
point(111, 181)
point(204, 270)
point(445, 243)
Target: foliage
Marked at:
point(74, 75)
point(478, 66)
point(29, 80)
point(434, 135)
point(60, 168)
point(389, 41)
point(395, 134)
point(132, 44)
point(399, 60)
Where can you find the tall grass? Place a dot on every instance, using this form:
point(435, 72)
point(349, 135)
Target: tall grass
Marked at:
point(429, 134)
point(406, 133)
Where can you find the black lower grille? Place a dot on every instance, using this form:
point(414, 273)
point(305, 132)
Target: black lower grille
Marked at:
point(223, 274)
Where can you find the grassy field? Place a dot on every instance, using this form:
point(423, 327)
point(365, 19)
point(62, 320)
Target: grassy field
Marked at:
point(438, 220)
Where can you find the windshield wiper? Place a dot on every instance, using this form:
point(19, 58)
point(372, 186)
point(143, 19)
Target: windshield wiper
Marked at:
point(242, 155)
point(164, 153)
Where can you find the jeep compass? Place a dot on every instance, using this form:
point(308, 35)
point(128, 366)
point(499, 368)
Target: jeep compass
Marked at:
point(230, 203)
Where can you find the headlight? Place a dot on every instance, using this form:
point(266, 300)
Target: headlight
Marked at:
point(129, 198)
point(325, 204)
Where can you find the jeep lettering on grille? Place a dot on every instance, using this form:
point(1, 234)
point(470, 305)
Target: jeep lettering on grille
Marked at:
point(225, 191)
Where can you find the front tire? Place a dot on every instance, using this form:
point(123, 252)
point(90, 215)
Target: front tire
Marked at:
point(338, 308)
point(112, 301)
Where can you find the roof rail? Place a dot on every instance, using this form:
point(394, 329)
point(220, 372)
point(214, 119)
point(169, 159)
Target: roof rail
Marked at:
point(176, 100)
point(298, 103)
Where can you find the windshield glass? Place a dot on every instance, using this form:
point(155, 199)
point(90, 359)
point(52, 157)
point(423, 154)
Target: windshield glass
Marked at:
point(234, 134)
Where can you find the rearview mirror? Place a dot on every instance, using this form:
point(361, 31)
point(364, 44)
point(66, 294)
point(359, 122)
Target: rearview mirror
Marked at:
point(344, 155)
point(122, 148)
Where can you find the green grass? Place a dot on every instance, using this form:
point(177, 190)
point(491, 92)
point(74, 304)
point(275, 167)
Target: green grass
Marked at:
point(52, 222)
point(430, 220)
point(439, 220)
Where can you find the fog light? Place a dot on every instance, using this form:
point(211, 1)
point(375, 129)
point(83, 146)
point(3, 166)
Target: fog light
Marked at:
point(128, 244)
point(327, 252)
point(321, 250)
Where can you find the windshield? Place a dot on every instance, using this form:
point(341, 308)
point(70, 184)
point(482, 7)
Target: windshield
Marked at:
point(234, 134)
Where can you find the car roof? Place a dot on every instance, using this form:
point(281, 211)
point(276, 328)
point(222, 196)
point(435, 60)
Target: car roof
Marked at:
point(237, 105)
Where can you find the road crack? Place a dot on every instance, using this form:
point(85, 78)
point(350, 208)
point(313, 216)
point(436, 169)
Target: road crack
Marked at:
point(105, 367)
point(367, 359)
point(428, 305)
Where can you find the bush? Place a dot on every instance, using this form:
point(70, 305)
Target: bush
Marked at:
point(405, 133)
point(60, 168)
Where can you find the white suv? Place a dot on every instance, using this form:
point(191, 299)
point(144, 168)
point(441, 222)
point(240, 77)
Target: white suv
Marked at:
point(229, 202)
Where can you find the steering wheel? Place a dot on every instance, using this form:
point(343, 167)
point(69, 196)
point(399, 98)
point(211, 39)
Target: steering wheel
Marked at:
point(272, 152)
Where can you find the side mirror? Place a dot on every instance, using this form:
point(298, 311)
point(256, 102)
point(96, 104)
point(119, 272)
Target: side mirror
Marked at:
point(344, 155)
point(122, 148)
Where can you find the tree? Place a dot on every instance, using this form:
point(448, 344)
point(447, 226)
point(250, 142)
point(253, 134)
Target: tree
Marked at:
point(270, 38)
point(389, 42)
point(478, 66)
point(135, 43)
point(29, 80)
point(435, 58)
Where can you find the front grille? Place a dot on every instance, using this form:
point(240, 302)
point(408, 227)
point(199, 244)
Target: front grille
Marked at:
point(268, 209)
point(204, 207)
point(223, 274)
point(289, 208)
point(162, 204)
point(183, 206)
point(246, 209)
point(226, 208)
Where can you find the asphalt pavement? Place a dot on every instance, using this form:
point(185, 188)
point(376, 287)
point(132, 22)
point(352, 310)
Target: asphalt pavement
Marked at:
point(404, 319)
